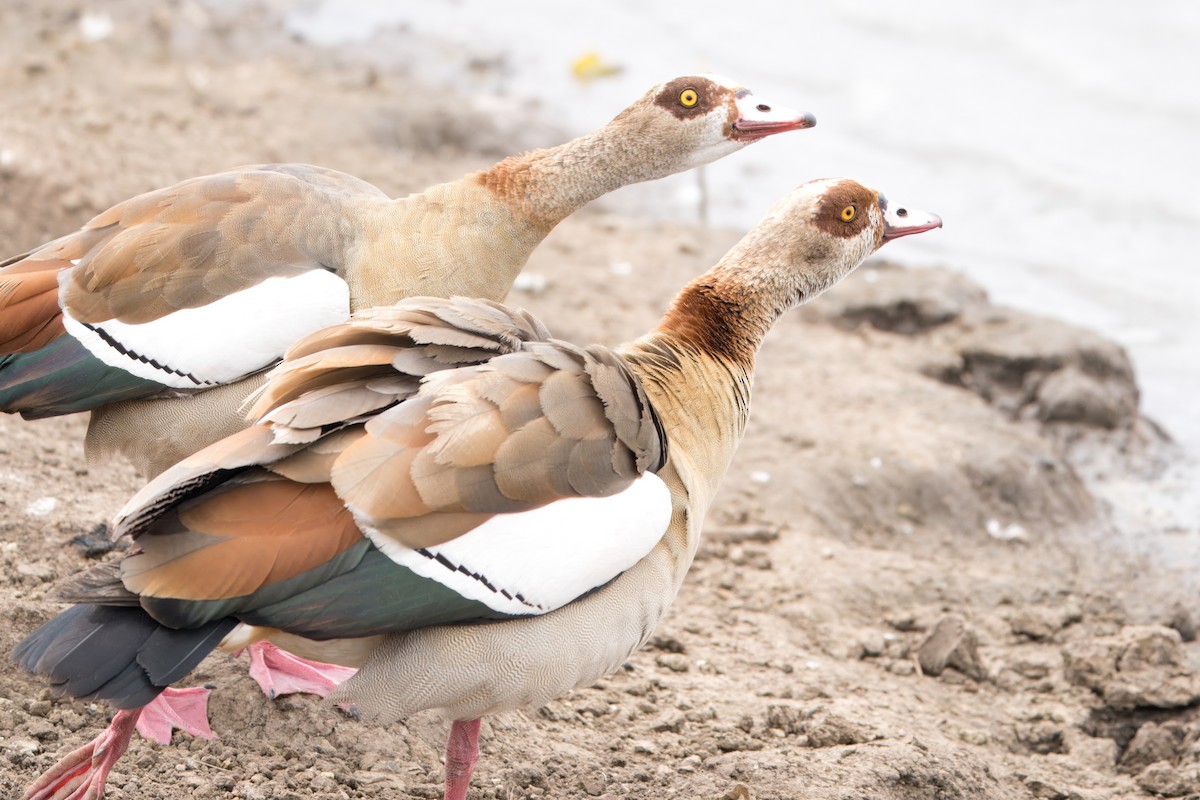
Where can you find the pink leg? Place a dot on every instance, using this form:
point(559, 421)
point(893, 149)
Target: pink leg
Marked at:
point(279, 672)
point(186, 709)
point(80, 775)
point(462, 751)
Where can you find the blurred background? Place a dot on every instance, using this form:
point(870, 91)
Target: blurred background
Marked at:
point(1060, 142)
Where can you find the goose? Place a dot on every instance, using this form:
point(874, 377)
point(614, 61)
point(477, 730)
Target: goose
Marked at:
point(476, 516)
point(160, 314)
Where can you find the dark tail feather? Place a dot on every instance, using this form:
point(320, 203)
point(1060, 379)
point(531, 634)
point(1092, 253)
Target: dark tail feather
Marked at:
point(98, 585)
point(62, 378)
point(169, 654)
point(119, 654)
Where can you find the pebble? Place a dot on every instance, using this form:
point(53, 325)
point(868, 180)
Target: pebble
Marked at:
point(593, 783)
point(1038, 624)
point(673, 661)
point(975, 737)
point(42, 507)
point(871, 644)
point(42, 730)
point(1004, 533)
point(531, 283)
point(95, 27)
point(22, 747)
point(1163, 779)
point(672, 723)
point(324, 782)
point(951, 644)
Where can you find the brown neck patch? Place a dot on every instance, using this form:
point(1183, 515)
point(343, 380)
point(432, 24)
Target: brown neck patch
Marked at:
point(509, 178)
point(511, 182)
point(707, 317)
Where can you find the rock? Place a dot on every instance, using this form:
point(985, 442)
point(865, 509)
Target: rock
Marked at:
point(975, 737)
point(871, 644)
point(668, 644)
point(1152, 743)
point(952, 644)
point(1042, 736)
point(673, 661)
point(671, 723)
point(1142, 666)
point(834, 730)
point(42, 730)
point(788, 719)
point(1034, 666)
point(734, 744)
point(1043, 622)
point(593, 784)
point(738, 534)
point(21, 747)
point(751, 557)
point(39, 708)
point(903, 621)
point(378, 781)
point(1033, 367)
point(1069, 395)
point(37, 570)
point(1034, 623)
point(1163, 779)
point(1181, 620)
point(888, 298)
point(1097, 752)
point(1091, 663)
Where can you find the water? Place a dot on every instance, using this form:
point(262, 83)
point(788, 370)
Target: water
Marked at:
point(1059, 142)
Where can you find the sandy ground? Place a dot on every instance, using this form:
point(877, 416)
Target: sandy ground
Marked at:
point(908, 589)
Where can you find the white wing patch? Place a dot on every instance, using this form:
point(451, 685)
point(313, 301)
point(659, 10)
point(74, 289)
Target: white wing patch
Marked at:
point(536, 561)
point(223, 341)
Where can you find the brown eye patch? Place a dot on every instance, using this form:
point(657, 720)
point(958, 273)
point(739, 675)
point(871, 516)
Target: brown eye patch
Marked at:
point(832, 214)
point(675, 96)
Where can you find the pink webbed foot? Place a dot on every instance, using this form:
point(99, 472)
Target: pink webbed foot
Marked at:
point(279, 672)
point(81, 774)
point(186, 709)
point(462, 752)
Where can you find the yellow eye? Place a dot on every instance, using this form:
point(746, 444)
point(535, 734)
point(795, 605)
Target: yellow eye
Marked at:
point(688, 98)
point(849, 213)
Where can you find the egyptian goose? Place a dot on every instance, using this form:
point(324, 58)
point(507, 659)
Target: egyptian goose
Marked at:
point(435, 464)
point(204, 284)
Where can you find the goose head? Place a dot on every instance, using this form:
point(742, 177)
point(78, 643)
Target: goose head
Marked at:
point(841, 222)
point(695, 119)
point(816, 235)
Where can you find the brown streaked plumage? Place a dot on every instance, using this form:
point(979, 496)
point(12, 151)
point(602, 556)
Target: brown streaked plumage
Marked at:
point(507, 433)
point(146, 286)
